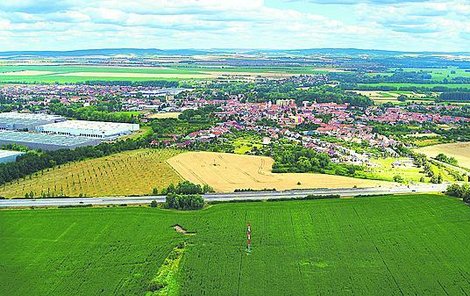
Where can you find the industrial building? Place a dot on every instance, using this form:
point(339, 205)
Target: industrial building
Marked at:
point(9, 156)
point(90, 129)
point(26, 121)
point(44, 141)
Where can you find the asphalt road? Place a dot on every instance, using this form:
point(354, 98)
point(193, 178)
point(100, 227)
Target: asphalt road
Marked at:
point(255, 195)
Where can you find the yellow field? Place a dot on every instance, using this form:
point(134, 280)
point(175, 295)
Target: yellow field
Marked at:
point(164, 115)
point(389, 96)
point(227, 172)
point(461, 152)
point(126, 173)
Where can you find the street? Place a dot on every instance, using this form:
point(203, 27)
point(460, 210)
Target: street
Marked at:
point(251, 195)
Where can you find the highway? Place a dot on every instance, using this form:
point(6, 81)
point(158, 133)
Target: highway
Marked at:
point(235, 196)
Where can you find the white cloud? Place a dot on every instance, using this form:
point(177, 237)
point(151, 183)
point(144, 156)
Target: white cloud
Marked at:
point(398, 25)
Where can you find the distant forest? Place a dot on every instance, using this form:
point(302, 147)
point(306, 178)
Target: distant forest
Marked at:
point(455, 96)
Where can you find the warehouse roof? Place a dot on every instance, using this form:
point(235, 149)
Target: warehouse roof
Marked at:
point(25, 137)
point(15, 119)
point(29, 116)
point(90, 125)
point(7, 153)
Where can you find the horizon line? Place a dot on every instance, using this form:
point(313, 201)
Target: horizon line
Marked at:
point(230, 49)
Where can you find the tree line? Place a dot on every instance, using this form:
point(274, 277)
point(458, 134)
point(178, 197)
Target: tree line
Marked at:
point(35, 161)
point(186, 187)
point(461, 191)
point(455, 96)
point(447, 159)
point(184, 202)
point(93, 113)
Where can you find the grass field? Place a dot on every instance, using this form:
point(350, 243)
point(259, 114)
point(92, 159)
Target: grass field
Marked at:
point(384, 170)
point(246, 144)
point(423, 85)
point(227, 172)
point(461, 152)
point(127, 173)
point(400, 245)
point(381, 97)
point(73, 74)
point(164, 115)
point(439, 74)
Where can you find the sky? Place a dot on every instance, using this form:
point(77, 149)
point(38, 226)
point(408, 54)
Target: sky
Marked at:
point(407, 25)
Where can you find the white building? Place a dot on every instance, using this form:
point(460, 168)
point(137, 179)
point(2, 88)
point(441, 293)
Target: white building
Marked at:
point(9, 156)
point(26, 121)
point(91, 129)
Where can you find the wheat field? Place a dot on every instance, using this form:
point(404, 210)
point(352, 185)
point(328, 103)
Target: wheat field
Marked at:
point(227, 172)
point(460, 150)
point(134, 172)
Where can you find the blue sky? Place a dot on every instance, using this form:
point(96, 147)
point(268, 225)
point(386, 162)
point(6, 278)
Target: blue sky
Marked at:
point(409, 25)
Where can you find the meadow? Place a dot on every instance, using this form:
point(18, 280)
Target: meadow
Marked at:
point(381, 97)
point(391, 245)
point(419, 85)
point(74, 74)
point(134, 172)
point(439, 74)
point(164, 115)
point(383, 169)
point(226, 172)
point(246, 144)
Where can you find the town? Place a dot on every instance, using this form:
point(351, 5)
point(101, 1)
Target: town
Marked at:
point(236, 147)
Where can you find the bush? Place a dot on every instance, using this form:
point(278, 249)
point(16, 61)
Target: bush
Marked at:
point(462, 192)
point(312, 196)
point(153, 204)
point(398, 179)
point(184, 202)
point(447, 159)
point(186, 187)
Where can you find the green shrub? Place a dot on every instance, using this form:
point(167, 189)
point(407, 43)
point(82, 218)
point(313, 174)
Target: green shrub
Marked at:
point(398, 179)
point(186, 187)
point(184, 202)
point(459, 191)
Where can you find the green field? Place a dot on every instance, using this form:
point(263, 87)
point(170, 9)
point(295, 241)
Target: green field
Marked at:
point(395, 245)
point(73, 74)
point(437, 74)
point(246, 144)
point(384, 170)
point(423, 85)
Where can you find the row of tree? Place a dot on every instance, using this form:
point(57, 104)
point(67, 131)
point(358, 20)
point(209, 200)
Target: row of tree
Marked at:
point(104, 113)
point(35, 161)
point(455, 96)
point(447, 159)
point(186, 187)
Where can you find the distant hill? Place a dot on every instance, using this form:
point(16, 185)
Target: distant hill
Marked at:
point(104, 52)
point(191, 52)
